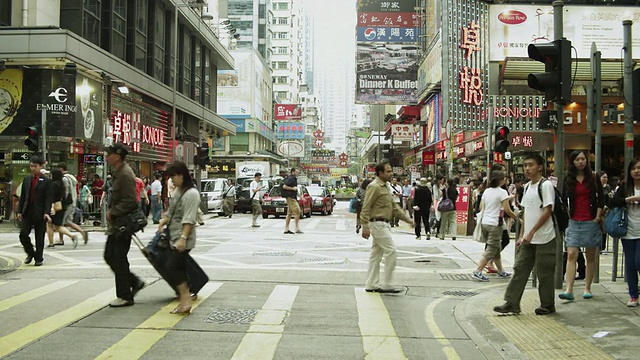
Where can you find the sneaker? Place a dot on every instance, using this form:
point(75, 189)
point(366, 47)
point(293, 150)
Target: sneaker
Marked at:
point(507, 308)
point(299, 232)
point(255, 225)
point(504, 274)
point(74, 240)
point(479, 276)
point(418, 237)
point(545, 310)
point(120, 303)
point(428, 236)
point(85, 236)
point(633, 302)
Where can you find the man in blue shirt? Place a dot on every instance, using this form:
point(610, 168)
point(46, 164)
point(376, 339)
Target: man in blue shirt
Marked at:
point(406, 197)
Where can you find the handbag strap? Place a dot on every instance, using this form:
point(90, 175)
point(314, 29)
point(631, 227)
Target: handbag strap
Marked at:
point(175, 206)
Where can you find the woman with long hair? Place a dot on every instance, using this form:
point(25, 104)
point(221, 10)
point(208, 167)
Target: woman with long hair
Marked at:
point(181, 220)
point(628, 195)
point(608, 194)
point(359, 201)
point(583, 189)
point(57, 218)
point(494, 205)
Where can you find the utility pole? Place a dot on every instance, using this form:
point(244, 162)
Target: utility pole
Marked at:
point(558, 149)
point(594, 117)
point(628, 94)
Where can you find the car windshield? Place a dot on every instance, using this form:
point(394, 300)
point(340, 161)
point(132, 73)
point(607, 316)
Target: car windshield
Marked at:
point(276, 191)
point(211, 186)
point(315, 191)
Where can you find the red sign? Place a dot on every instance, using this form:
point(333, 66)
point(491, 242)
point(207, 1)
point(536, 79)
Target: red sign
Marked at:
point(497, 158)
point(462, 205)
point(459, 151)
point(458, 138)
point(478, 145)
point(128, 130)
point(470, 39)
point(512, 17)
point(287, 112)
point(440, 146)
point(471, 83)
point(428, 157)
point(385, 19)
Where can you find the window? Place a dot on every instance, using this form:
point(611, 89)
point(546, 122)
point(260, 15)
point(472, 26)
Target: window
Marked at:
point(240, 7)
point(159, 43)
point(280, 6)
point(140, 23)
point(197, 73)
point(280, 80)
point(119, 28)
point(282, 95)
point(281, 35)
point(186, 63)
point(281, 21)
point(240, 142)
point(280, 65)
point(282, 50)
point(207, 78)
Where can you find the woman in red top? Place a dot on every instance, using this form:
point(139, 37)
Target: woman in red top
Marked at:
point(583, 189)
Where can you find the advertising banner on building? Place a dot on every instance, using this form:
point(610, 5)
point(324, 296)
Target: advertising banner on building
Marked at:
point(383, 34)
point(287, 112)
point(514, 27)
point(431, 112)
point(386, 6)
point(290, 131)
point(402, 132)
point(430, 71)
point(323, 156)
point(89, 114)
point(235, 89)
point(291, 149)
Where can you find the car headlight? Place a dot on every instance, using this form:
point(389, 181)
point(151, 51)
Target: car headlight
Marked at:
point(317, 202)
point(266, 202)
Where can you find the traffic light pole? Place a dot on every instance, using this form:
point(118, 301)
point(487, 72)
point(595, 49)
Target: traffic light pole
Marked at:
point(558, 150)
point(628, 95)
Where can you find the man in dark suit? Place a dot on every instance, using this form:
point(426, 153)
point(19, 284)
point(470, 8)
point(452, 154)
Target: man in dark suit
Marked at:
point(422, 200)
point(34, 207)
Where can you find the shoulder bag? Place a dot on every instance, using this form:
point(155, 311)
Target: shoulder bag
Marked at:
point(446, 204)
point(615, 223)
point(165, 234)
point(477, 231)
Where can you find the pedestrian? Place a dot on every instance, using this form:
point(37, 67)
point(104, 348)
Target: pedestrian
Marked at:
point(437, 197)
point(229, 198)
point(141, 194)
point(290, 192)
point(256, 191)
point(422, 207)
point(396, 190)
point(536, 245)
point(70, 202)
point(118, 243)
point(377, 211)
point(583, 189)
point(147, 190)
point(448, 225)
point(360, 193)
point(156, 199)
point(608, 194)
point(628, 196)
point(36, 197)
point(107, 192)
point(97, 186)
point(493, 206)
point(58, 214)
point(181, 220)
point(406, 197)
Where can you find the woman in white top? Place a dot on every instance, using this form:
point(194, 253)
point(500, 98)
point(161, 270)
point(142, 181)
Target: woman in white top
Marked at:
point(495, 203)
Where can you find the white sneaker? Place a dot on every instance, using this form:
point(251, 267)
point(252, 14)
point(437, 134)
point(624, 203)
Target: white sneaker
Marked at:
point(120, 303)
point(633, 302)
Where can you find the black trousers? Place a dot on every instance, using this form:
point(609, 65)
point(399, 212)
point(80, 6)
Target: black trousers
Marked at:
point(422, 216)
point(31, 221)
point(115, 254)
point(176, 266)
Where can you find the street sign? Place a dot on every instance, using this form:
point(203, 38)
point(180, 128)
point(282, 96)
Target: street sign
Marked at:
point(23, 156)
point(93, 159)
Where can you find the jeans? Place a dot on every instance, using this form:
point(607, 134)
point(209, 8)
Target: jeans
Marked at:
point(631, 250)
point(115, 255)
point(156, 208)
point(382, 246)
point(543, 257)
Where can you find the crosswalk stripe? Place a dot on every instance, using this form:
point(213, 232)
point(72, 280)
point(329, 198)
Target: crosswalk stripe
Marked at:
point(341, 224)
point(145, 335)
point(379, 338)
point(32, 332)
point(30, 295)
point(312, 225)
point(267, 327)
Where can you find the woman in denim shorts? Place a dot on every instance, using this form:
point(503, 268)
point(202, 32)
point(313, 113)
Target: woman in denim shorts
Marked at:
point(583, 189)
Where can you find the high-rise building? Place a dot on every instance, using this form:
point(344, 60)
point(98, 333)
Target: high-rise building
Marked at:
point(286, 59)
point(250, 20)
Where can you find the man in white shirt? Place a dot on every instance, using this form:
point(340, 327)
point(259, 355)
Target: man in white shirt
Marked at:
point(537, 243)
point(229, 198)
point(396, 192)
point(256, 191)
point(156, 199)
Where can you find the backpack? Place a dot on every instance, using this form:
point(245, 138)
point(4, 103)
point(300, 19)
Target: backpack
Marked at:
point(560, 213)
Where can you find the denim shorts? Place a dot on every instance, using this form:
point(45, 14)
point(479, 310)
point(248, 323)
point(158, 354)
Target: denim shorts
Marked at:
point(583, 234)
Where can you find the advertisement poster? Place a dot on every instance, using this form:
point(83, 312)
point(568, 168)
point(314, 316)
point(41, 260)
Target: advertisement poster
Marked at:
point(234, 88)
point(291, 148)
point(462, 205)
point(514, 27)
point(287, 112)
point(432, 113)
point(88, 116)
point(402, 132)
point(386, 73)
point(383, 34)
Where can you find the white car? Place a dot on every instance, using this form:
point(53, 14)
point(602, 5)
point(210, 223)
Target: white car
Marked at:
point(214, 188)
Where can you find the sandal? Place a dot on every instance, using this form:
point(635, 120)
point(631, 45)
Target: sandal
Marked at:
point(60, 243)
point(182, 310)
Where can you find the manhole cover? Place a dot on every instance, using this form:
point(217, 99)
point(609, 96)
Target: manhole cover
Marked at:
point(456, 277)
point(231, 316)
point(460, 293)
point(274, 253)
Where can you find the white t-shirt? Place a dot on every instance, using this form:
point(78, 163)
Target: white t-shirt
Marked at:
point(633, 223)
point(254, 185)
point(533, 211)
point(156, 187)
point(396, 189)
point(492, 199)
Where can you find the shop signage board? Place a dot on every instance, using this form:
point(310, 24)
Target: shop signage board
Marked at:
point(291, 149)
point(290, 130)
point(93, 159)
point(428, 157)
point(287, 112)
point(517, 112)
point(384, 34)
point(402, 132)
point(462, 205)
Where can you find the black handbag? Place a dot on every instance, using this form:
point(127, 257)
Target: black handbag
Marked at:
point(132, 222)
point(164, 237)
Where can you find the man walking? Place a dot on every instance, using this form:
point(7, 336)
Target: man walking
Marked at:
point(34, 207)
point(118, 243)
point(377, 211)
point(422, 201)
point(406, 198)
point(256, 191)
point(229, 199)
point(71, 199)
point(537, 243)
point(156, 199)
point(141, 194)
point(290, 192)
point(396, 190)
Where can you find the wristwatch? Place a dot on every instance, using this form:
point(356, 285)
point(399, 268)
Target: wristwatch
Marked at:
point(183, 236)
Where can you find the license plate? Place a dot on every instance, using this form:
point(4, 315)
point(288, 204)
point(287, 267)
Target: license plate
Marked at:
point(280, 210)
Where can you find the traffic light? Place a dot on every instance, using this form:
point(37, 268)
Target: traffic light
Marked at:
point(501, 143)
point(555, 82)
point(548, 119)
point(203, 155)
point(33, 138)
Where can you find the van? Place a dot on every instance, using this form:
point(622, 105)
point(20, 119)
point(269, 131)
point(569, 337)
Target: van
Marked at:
point(214, 189)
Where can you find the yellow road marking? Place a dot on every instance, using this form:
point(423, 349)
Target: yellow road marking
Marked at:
point(379, 338)
point(145, 335)
point(30, 295)
point(267, 327)
point(447, 348)
point(32, 332)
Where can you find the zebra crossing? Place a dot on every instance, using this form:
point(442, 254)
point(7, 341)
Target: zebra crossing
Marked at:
point(324, 223)
point(337, 321)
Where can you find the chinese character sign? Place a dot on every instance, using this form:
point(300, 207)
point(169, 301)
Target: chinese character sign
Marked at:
point(402, 132)
point(287, 112)
point(462, 205)
point(290, 131)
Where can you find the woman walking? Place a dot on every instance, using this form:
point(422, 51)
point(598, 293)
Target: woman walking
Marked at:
point(359, 201)
point(180, 219)
point(448, 218)
point(494, 205)
point(583, 189)
point(608, 194)
point(628, 195)
point(57, 217)
point(85, 194)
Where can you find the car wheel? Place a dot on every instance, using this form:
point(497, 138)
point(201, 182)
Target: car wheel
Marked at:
point(264, 216)
point(220, 214)
point(309, 214)
point(277, 216)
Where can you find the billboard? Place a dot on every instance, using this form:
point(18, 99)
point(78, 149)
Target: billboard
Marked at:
point(290, 131)
point(89, 115)
point(287, 112)
point(514, 27)
point(431, 112)
point(383, 34)
point(291, 148)
point(402, 132)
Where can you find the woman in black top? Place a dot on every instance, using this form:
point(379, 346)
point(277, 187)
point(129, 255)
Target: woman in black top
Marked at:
point(57, 217)
point(448, 223)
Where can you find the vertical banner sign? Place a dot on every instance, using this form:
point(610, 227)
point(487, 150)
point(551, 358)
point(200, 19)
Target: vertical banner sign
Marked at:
point(387, 52)
point(462, 205)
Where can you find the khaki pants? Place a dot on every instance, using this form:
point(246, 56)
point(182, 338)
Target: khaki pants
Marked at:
point(448, 225)
point(543, 257)
point(382, 246)
point(256, 210)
